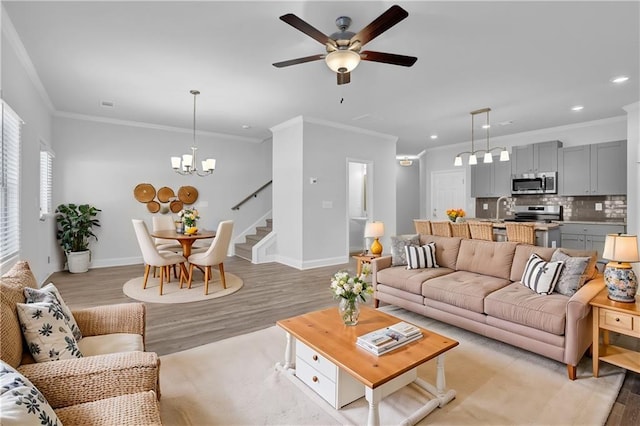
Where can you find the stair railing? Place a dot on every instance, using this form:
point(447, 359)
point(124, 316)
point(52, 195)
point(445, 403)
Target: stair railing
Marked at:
point(250, 196)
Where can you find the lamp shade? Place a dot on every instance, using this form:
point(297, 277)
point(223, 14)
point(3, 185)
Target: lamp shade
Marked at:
point(458, 161)
point(621, 248)
point(504, 155)
point(374, 230)
point(488, 158)
point(342, 61)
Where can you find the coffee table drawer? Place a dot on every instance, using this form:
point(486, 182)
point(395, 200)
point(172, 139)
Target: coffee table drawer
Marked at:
point(317, 361)
point(317, 381)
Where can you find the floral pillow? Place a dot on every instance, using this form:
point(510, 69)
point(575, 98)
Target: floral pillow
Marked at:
point(21, 403)
point(48, 334)
point(398, 244)
point(49, 293)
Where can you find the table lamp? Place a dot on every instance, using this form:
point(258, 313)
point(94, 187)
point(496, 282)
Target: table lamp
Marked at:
point(374, 230)
point(621, 281)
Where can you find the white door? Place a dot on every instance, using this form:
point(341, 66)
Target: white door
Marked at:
point(448, 191)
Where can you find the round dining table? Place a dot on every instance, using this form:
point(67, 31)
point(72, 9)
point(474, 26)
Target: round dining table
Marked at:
point(185, 240)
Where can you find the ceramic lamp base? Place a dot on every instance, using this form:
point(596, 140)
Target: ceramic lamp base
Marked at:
point(376, 247)
point(621, 281)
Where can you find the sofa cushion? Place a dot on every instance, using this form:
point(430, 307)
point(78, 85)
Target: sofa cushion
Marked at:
point(518, 304)
point(486, 257)
point(541, 276)
point(110, 344)
point(409, 280)
point(20, 402)
point(572, 276)
point(421, 257)
point(463, 289)
point(398, 244)
point(49, 293)
point(47, 332)
point(447, 249)
point(522, 255)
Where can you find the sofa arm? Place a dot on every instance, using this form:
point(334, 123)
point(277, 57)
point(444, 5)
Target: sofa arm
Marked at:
point(379, 264)
point(108, 319)
point(578, 332)
point(76, 381)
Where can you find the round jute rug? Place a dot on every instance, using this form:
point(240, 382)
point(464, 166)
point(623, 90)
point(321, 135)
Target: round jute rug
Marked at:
point(172, 293)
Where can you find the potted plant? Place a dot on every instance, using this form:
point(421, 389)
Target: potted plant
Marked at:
point(75, 229)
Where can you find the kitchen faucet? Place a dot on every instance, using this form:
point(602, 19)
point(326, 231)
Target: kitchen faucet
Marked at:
point(504, 197)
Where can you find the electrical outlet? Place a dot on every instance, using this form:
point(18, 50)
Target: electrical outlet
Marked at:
point(598, 207)
point(485, 206)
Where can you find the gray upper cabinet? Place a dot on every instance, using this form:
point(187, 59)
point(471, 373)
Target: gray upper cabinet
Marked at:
point(598, 169)
point(537, 157)
point(491, 179)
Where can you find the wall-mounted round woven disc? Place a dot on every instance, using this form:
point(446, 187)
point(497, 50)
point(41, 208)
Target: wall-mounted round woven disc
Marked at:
point(175, 206)
point(187, 194)
point(153, 206)
point(144, 192)
point(165, 194)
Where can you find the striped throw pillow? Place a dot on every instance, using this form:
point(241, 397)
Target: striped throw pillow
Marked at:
point(421, 257)
point(541, 276)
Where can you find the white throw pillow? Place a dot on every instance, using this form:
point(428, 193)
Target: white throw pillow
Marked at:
point(421, 257)
point(48, 335)
point(49, 293)
point(21, 403)
point(541, 276)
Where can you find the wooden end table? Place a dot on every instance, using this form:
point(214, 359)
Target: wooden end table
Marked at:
point(619, 317)
point(361, 259)
point(322, 352)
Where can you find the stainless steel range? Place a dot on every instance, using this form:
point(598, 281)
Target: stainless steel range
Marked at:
point(536, 214)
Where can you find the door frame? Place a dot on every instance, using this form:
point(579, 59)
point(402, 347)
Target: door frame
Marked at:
point(462, 173)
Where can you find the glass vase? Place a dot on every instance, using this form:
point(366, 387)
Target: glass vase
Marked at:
point(349, 311)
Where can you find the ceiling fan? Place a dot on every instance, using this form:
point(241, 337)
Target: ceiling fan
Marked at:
point(343, 47)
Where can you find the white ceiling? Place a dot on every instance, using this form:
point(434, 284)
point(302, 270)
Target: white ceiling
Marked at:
point(528, 61)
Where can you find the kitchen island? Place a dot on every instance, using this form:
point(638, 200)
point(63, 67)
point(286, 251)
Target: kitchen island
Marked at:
point(547, 234)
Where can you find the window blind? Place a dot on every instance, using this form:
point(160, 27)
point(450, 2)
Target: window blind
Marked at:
point(10, 185)
point(46, 181)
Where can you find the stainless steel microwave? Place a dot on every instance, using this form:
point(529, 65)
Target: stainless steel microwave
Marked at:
point(535, 183)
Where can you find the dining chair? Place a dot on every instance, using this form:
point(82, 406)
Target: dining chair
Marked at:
point(442, 229)
point(165, 223)
point(422, 226)
point(481, 230)
point(521, 232)
point(460, 230)
point(154, 258)
point(214, 256)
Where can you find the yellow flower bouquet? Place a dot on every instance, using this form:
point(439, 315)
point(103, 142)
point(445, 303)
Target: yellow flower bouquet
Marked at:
point(454, 214)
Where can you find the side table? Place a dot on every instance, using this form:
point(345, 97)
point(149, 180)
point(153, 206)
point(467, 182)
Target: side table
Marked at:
point(362, 259)
point(619, 317)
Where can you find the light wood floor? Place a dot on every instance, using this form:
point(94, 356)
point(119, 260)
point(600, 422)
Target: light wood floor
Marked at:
point(270, 292)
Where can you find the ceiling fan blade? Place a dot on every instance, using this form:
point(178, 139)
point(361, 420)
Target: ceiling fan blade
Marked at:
point(298, 61)
point(344, 78)
point(382, 23)
point(388, 58)
point(306, 28)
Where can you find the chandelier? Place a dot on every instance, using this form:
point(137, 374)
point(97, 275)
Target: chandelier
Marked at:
point(187, 164)
point(488, 158)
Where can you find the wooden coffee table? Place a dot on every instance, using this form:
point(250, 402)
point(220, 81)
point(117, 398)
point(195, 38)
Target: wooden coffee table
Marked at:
point(322, 352)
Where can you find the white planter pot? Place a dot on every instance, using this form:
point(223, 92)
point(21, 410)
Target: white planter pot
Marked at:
point(78, 261)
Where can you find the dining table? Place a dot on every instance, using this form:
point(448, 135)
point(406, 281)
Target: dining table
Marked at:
point(185, 240)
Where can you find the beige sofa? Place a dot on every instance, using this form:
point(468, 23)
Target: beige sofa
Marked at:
point(114, 388)
point(476, 287)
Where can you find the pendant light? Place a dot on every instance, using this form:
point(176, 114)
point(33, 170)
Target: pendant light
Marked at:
point(487, 157)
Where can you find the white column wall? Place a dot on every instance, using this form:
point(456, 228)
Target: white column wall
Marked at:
point(633, 173)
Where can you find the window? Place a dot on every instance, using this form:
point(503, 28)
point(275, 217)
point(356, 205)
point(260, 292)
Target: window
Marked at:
point(10, 185)
point(46, 180)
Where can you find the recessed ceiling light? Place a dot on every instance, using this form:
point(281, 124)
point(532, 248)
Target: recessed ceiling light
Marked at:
point(434, 136)
point(246, 126)
point(506, 123)
point(486, 126)
point(619, 79)
point(577, 108)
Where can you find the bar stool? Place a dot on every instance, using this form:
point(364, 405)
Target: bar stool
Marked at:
point(422, 226)
point(460, 230)
point(481, 230)
point(521, 232)
point(442, 229)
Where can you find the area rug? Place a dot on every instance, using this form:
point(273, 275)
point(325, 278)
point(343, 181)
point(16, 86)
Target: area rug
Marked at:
point(172, 293)
point(234, 382)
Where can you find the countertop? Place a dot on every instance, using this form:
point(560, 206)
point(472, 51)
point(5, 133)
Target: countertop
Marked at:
point(594, 222)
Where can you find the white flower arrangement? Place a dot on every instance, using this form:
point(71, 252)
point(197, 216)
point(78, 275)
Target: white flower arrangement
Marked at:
point(189, 217)
point(347, 287)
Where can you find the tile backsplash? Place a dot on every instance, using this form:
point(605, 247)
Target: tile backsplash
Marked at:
point(614, 207)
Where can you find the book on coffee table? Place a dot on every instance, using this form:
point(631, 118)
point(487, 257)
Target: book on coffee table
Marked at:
point(386, 339)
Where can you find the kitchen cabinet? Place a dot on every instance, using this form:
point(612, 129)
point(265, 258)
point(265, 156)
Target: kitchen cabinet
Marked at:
point(598, 169)
point(490, 179)
point(587, 236)
point(533, 158)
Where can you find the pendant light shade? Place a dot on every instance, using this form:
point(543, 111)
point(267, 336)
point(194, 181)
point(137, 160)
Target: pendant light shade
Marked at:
point(473, 154)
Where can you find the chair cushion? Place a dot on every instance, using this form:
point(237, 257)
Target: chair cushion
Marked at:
point(541, 276)
point(132, 409)
point(398, 244)
point(110, 344)
point(20, 402)
point(46, 331)
point(49, 293)
point(518, 304)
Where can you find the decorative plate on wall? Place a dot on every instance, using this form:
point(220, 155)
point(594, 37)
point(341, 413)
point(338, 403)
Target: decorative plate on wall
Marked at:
point(165, 194)
point(187, 194)
point(144, 192)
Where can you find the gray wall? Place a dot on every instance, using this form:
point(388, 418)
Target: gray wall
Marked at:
point(407, 197)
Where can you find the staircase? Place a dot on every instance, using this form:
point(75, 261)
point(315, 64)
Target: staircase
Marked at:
point(244, 250)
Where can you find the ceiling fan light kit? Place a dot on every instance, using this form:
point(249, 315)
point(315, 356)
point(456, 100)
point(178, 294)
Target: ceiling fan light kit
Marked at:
point(343, 47)
point(487, 157)
point(187, 164)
